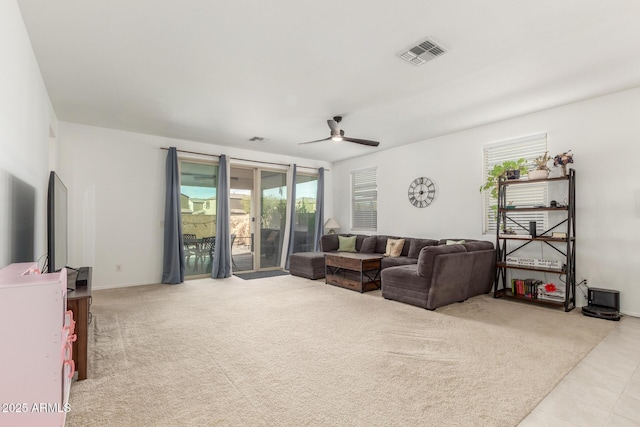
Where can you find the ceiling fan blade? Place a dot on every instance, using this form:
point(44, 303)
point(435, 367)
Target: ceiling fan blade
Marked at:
point(317, 140)
point(361, 141)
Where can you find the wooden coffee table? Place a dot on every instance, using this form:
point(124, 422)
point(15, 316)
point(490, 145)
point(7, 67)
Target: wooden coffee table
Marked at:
point(359, 272)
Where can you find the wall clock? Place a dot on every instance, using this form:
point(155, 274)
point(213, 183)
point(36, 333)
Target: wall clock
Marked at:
point(421, 193)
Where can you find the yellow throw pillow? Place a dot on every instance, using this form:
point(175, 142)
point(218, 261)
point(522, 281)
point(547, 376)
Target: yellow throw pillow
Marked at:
point(394, 247)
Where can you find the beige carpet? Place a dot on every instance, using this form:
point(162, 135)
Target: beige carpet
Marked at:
point(287, 351)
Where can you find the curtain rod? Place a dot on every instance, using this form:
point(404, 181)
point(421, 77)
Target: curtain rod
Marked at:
point(245, 160)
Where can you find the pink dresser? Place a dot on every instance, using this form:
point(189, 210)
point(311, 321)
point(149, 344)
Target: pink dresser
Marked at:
point(36, 336)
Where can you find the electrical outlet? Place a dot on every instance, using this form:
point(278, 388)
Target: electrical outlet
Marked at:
point(118, 267)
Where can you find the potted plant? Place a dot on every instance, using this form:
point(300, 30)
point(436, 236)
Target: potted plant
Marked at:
point(542, 170)
point(563, 159)
point(503, 170)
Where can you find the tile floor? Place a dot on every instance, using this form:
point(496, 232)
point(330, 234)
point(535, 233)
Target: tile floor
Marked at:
point(602, 390)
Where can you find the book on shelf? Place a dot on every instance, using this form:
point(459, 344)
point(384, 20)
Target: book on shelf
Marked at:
point(515, 236)
point(527, 288)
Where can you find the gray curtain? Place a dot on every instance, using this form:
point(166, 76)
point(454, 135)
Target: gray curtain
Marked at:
point(222, 252)
point(319, 231)
point(292, 222)
point(173, 254)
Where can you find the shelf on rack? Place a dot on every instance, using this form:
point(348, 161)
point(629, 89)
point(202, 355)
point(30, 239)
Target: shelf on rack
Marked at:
point(543, 208)
point(539, 238)
point(528, 181)
point(530, 268)
point(506, 293)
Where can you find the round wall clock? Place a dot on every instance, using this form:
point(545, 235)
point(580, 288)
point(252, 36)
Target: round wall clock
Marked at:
point(421, 193)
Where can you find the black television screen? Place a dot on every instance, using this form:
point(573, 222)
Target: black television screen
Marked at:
point(56, 223)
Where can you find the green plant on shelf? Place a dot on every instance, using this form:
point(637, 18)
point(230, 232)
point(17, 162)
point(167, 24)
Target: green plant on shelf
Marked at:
point(498, 172)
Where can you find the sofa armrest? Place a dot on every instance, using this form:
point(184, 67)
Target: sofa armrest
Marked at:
point(450, 279)
point(483, 272)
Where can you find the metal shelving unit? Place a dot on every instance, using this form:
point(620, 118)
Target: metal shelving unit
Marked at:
point(565, 246)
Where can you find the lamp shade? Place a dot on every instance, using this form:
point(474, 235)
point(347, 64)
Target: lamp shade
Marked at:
point(331, 224)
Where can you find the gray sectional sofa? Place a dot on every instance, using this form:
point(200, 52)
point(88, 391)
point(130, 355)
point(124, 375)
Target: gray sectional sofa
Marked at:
point(428, 273)
point(444, 274)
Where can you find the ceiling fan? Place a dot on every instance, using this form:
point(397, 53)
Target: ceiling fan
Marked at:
point(337, 134)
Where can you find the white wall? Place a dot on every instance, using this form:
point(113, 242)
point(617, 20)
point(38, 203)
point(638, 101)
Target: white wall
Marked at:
point(604, 135)
point(26, 117)
point(116, 185)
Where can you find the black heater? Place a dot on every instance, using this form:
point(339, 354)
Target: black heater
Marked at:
point(603, 304)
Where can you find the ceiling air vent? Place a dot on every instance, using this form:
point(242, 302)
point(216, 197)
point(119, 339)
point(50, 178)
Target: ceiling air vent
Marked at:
point(423, 52)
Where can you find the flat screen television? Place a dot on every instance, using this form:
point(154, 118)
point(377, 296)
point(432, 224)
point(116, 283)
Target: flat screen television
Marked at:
point(56, 224)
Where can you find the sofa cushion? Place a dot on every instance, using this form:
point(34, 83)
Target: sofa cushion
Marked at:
point(394, 247)
point(416, 245)
point(396, 261)
point(429, 253)
point(404, 277)
point(359, 240)
point(346, 244)
point(405, 247)
point(329, 243)
point(368, 245)
point(381, 243)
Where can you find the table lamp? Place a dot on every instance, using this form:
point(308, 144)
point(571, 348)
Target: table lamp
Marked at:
point(331, 224)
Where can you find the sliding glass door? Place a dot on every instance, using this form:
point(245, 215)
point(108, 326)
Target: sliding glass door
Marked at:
point(258, 210)
point(242, 218)
point(304, 220)
point(198, 182)
point(273, 209)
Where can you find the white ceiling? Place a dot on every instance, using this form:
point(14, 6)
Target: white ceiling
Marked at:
point(222, 72)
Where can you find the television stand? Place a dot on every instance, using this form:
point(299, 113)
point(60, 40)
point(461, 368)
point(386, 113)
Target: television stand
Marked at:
point(79, 301)
point(83, 276)
point(72, 275)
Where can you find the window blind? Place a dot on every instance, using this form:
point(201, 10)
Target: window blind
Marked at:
point(529, 148)
point(364, 199)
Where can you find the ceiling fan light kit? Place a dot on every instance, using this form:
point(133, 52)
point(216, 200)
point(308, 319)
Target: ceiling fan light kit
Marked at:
point(337, 134)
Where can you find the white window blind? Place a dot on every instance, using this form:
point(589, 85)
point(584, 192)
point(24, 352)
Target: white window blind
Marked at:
point(528, 148)
point(364, 199)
